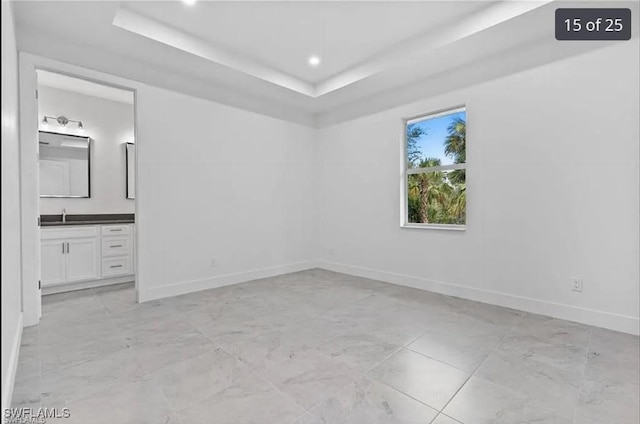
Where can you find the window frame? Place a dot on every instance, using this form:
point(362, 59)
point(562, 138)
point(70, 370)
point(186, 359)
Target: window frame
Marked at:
point(405, 171)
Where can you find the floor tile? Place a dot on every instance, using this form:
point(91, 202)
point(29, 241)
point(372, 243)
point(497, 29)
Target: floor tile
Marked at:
point(189, 382)
point(61, 387)
point(460, 340)
point(554, 331)
point(556, 387)
point(304, 373)
point(361, 351)
point(30, 344)
point(70, 351)
point(145, 312)
point(27, 391)
point(443, 419)
point(247, 401)
point(608, 402)
point(491, 314)
point(613, 358)
point(130, 403)
point(483, 402)
point(427, 380)
point(63, 309)
point(365, 401)
point(117, 298)
point(571, 359)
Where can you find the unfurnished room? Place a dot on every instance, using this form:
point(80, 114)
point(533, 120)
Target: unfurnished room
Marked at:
point(267, 212)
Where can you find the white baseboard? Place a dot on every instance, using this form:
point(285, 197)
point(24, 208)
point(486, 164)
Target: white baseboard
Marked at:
point(185, 287)
point(622, 323)
point(66, 287)
point(10, 378)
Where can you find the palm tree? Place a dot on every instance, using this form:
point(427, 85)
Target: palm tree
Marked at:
point(414, 132)
point(428, 192)
point(457, 206)
point(455, 146)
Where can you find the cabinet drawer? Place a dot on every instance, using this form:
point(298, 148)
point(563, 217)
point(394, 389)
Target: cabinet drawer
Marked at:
point(64, 233)
point(115, 230)
point(115, 246)
point(112, 267)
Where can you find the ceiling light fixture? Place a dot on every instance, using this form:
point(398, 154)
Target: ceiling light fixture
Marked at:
point(189, 2)
point(62, 121)
point(314, 60)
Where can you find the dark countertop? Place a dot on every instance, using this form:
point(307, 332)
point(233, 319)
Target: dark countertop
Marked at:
point(60, 223)
point(93, 219)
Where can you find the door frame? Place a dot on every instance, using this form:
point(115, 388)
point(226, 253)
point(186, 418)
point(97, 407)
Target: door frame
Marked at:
point(29, 184)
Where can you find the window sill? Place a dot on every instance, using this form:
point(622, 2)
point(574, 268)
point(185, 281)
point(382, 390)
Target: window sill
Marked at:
point(446, 227)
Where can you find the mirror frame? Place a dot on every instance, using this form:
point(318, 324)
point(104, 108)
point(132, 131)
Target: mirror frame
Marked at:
point(89, 140)
point(126, 169)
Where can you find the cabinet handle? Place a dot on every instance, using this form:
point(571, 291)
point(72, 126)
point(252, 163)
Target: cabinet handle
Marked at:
point(115, 266)
point(116, 245)
point(67, 247)
point(115, 229)
point(63, 248)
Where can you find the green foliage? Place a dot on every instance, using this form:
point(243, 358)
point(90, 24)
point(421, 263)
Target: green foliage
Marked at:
point(437, 197)
point(455, 143)
point(414, 132)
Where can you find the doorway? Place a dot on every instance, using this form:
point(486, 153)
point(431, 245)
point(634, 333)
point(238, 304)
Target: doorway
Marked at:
point(86, 149)
point(81, 187)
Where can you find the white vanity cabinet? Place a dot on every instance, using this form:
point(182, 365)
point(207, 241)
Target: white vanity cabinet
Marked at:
point(92, 254)
point(53, 262)
point(117, 250)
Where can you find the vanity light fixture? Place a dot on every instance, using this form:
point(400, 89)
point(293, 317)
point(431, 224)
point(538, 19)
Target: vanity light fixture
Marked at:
point(62, 121)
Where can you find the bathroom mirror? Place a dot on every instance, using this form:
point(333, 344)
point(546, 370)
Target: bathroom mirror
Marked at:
point(65, 165)
point(130, 154)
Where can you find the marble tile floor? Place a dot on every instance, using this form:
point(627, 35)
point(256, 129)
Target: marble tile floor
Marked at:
point(320, 347)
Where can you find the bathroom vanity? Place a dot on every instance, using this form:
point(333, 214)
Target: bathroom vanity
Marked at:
point(86, 252)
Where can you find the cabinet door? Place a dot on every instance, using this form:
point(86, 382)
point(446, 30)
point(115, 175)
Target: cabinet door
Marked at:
point(82, 259)
point(52, 262)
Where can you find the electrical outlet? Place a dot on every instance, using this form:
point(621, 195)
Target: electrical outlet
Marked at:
point(212, 263)
point(576, 284)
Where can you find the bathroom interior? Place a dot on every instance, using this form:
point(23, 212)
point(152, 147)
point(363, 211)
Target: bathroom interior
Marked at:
point(87, 188)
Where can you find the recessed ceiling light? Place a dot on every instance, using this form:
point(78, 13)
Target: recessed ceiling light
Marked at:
point(314, 61)
point(189, 2)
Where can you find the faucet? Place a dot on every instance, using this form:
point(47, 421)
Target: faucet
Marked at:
point(64, 215)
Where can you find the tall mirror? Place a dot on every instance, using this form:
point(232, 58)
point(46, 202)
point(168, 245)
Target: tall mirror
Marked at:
point(65, 165)
point(130, 153)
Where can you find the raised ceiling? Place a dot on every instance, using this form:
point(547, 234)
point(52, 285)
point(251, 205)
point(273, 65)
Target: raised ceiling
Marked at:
point(253, 54)
point(283, 35)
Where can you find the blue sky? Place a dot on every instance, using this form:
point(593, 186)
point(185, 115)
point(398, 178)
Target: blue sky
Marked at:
point(432, 144)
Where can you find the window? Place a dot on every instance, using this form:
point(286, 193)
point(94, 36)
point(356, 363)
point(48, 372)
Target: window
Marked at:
point(434, 170)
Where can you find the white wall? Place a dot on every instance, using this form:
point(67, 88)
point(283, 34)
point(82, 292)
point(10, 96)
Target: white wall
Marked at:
point(11, 274)
point(218, 182)
point(552, 185)
point(110, 125)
